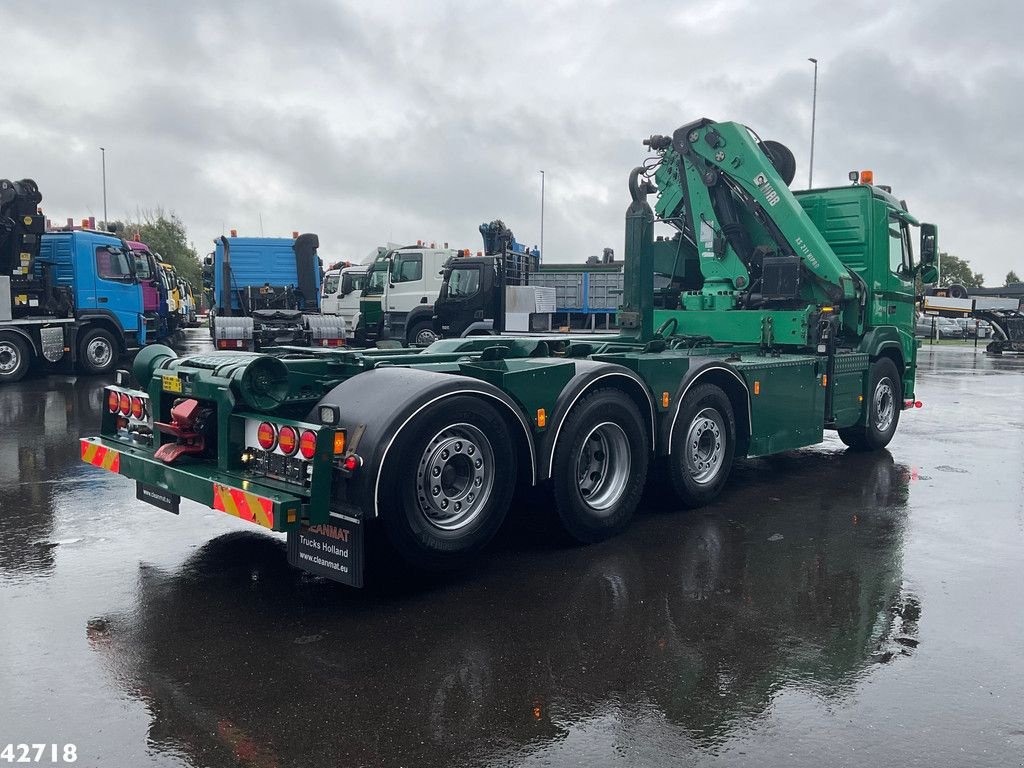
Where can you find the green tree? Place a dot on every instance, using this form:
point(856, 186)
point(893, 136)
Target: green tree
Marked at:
point(164, 233)
point(956, 270)
point(1011, 278)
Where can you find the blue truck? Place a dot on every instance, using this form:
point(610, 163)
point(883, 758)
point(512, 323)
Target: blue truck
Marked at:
point(265, 292)
point(68, 300)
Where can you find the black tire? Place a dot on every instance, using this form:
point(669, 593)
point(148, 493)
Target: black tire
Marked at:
point(451, 437)
point(424, 328)
point(97, 352)
point(884, 404)
point(600, 466)
point(703, 446)
point(15, 358)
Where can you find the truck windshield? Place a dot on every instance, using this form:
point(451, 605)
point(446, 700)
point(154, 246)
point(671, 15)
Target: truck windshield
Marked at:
point(330, 285)
point(463, 282)
point(375, 282)
point(142, 270)
point(353, 281)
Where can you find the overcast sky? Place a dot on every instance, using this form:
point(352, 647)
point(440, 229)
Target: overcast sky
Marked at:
point(375, 121)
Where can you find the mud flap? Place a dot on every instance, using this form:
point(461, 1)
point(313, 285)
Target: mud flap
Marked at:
point(333, 550)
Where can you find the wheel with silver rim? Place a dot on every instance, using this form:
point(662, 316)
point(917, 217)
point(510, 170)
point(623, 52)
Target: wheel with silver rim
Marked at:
point(455, 477)
point(884, 403)
point(602, 466)
point(702, 445)
point(447, 482)
point(423, 335)
point(97, 351)
point(14, 359)
point(599, 465)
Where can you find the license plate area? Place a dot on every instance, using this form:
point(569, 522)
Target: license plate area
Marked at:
point(158, 497)
point(333, 550)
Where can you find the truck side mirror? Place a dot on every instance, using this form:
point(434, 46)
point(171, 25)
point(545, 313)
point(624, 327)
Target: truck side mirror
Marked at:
point(929, 267)
point(929, 244)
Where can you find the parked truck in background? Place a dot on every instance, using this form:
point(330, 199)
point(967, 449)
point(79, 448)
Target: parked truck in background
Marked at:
point(265, 292)
point(68, 300)
point(775, 315)
point(342, 291)
point(397, 303)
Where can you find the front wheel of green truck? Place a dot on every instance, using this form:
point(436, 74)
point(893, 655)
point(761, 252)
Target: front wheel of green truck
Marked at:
point(703, 445)
point(447, 483)
point(883, 409)
point(600, 466)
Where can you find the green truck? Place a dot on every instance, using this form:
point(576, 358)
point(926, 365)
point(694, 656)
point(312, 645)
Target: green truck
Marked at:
point(777, 315)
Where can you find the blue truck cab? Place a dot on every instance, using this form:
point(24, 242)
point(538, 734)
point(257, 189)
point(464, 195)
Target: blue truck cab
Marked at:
point(266, 292)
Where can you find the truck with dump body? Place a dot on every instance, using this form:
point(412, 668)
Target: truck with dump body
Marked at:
point(68, 299)
point(265, 292)
point(776, 315)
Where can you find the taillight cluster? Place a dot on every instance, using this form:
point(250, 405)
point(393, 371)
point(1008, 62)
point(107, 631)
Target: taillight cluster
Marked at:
point(287, 439)
point(125, 405)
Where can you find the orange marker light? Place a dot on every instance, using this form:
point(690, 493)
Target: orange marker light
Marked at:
point(757, 387)
point(339, 442)
point(542, 417)
point(824, 379)
point(664, 399)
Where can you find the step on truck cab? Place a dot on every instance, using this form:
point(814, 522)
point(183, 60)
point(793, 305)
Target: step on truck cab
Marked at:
point(397, 303)
point(752, 320)
point(266, 293)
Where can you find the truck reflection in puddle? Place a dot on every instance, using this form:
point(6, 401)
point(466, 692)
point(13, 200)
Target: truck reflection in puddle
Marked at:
point(697, 619)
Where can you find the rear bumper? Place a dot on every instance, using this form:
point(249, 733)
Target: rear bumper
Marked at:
point(218, 490)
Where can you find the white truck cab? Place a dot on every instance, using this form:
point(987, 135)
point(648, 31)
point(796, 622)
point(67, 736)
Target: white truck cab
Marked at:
point(342, 289)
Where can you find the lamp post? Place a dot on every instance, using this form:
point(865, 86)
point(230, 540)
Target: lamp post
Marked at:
point(814, 111)
point(541, 217)
point(103, 156)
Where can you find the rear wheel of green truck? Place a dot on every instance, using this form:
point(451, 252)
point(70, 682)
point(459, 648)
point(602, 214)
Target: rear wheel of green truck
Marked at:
point(97, 352)
point(14, 359)
point(703, 445)
point(447, 483)
point(600, 466)
point(883, 409)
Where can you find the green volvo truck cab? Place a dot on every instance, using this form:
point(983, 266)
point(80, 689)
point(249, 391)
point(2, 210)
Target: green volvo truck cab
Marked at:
point(777, 316)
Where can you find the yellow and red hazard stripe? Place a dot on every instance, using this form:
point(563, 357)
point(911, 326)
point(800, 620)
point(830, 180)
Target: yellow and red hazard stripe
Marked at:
point(244, 505)
point(98, 456)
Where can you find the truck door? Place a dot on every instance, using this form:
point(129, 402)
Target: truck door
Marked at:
point(407, 289)
point(116, 291)
point(462, 303)
point(896, 303)
point(331, 295)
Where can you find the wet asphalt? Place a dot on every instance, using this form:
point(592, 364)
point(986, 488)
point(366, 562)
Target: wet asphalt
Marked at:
point(830, 609)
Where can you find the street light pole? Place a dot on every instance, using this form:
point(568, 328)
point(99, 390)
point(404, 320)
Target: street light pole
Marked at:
point(814, 111)
point(103, 155)
point(541, 217)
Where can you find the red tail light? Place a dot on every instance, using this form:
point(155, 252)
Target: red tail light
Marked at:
point(352, 462)
point(266, 436)
point(307, 444)
point(125, 405)
point(113, 401)
point(287, 440)
point(138, 408)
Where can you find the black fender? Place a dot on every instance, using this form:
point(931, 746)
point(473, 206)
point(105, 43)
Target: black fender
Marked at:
point(385, 401)
point(420, 313)
point(591, 374)
point(727, 378)
point(101, 317)
point(14, 330)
